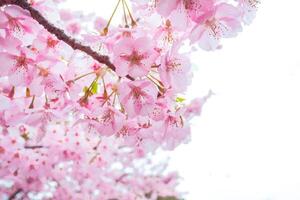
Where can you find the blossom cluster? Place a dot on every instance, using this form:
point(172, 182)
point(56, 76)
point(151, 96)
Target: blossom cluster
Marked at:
point(73, 127)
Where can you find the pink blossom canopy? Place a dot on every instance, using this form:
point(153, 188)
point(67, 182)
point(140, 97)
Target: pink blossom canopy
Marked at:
point(84, 105)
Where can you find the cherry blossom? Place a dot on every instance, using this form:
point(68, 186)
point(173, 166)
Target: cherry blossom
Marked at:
point(85, 104)
point(19, 67)
point(195, 9)
point(248, 8)
point(110, 121)
point(138, 97)
point(18, 23)
point(134, 57)
point(175, 70)
point(222, 22)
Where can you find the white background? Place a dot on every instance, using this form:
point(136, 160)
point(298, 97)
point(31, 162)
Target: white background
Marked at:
point(246, 145)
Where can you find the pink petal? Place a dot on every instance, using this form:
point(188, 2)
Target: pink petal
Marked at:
point(165, 7)
point(7, 63)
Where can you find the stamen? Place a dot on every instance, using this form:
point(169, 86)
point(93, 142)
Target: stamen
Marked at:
point(31, 106)
point(28, 92)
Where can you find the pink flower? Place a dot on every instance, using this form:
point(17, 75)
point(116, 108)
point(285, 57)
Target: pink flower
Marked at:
point(45, 42)
point(248, 8)
point(221, 22)
point(145, 142)
point(18, 67)
point(14, 19)
point(198, 8)
point(160, 110)
point(9, 44)
point(175, 71)
point(194, 108)
point(40, 118)
point(134, 57)
point(54, 87)
point(16, 22)
point(72, 128)
point(193, 8)
point(110, 121)
point(137, 97)
point(129, 128)
point(166, 7)
point(172, 131)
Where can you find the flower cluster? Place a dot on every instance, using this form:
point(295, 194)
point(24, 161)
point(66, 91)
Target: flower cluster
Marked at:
point(73, 123)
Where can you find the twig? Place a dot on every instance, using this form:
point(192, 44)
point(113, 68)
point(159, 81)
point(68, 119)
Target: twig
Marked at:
point(34, 147)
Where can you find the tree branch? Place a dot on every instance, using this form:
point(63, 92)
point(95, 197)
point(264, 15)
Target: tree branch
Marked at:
point(60, 34)
point(14, 195)
point(34, 147)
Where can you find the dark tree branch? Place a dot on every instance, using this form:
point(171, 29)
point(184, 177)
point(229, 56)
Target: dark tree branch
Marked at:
point(34, 147)
point(14, 195)
point(60, 34)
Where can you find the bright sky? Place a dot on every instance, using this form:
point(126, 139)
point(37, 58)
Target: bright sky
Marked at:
point(245, 146)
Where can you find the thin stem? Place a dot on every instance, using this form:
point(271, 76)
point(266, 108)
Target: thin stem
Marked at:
point(133, 23)
point(157, 83)
point(34, 147)
point(104, 86)
point(94, 158)
point(108, 98)
point(114, 100)
point(97, 145)
point(110, 19)
point(124, 13)
point(156, 79)
point(82, 76)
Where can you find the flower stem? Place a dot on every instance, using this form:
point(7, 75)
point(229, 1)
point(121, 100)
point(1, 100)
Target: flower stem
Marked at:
point(107, 98)
point(133, 22)
point(124, 13)
point(157, 83)
point(82, 76)
point(105, 30)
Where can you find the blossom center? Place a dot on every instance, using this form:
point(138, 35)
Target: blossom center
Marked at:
point(2, 150)
point(21, 62)
point(215, 27)
point(253, 3)
point(137, 92)
point(173, 65)
point(51, 43)
point(14, 24)
point(135, 58)
point(107, 116)
point(123, 132)
point(188, 4)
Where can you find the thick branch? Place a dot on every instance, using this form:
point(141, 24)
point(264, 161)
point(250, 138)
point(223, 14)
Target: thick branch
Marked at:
point(60, 34)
